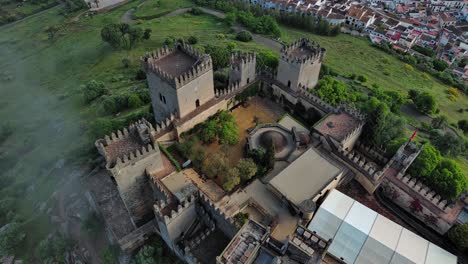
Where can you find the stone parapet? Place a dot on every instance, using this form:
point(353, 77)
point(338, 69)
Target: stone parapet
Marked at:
point(316, 52)
point(202, 65)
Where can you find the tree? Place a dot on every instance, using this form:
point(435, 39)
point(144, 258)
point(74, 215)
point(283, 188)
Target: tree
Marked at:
point(109, 255)
point(134, 101)
point(439, 65)
point(151, 254)
point(426, 161)
point(440, 121)
point(11, 237)
point(147, 34)
point(52, 249)
point(209, 131)
point(332, 90)
point(230, 18)
point(448, 179)
point(244, 36)
point(267, 59)
point(247, 168)
point(215, 166)
point(426, 103)
point(382, 126)
point(228, 132)
point(93, 90)
point(362, 78)
point(52, 32)
point(449, 144)
point(121, 35)
point(219, 55)
point(463, 125)
point(192, 40)
point(232, 180)
point(459, 236)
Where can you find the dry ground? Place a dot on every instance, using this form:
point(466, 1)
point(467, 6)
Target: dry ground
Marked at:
point(266, 112)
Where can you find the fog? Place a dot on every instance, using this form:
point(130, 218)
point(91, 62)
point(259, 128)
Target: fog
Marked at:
point(41, 154)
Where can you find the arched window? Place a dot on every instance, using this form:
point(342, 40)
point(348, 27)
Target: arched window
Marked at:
point(248, 80)
point(197, 103)
point(289, 84)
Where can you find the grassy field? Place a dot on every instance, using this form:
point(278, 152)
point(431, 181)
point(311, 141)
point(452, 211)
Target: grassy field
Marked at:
point(155, 8)
point(352, 55)
point(14, 11)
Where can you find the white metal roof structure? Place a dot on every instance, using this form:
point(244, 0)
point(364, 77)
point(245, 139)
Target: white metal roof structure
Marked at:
point(362, 236)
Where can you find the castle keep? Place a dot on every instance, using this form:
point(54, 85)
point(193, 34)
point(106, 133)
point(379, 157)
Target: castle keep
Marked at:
point(180, 80)
point(299, 64)
point(199, 220)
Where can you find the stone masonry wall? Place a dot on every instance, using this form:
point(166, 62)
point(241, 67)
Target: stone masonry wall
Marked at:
point(159, 86)
point(201, 89)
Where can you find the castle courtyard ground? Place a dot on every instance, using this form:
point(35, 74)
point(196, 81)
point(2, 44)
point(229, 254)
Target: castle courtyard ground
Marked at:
point(261, 108)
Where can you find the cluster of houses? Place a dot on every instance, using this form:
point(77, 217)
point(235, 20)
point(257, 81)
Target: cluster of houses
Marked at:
point(441, 25)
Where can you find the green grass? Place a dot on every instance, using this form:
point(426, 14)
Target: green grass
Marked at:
point(15, 11)
point(156, 8)
point(353, 55)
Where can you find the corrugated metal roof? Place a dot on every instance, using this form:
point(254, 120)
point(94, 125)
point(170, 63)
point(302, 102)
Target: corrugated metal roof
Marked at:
point(362, 236)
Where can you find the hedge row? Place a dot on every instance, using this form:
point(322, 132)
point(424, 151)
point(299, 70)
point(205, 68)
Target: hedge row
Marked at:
point(170, 157)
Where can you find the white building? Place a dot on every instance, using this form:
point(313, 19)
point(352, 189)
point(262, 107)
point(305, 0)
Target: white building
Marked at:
point(362, 236)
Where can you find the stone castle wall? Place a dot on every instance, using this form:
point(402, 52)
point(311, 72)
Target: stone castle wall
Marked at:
point(224, 223)
point(159, 87)
point(201, 89)
point(243, 68)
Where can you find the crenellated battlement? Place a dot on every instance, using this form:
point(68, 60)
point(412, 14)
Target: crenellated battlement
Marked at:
point(308, 96)
point(192, 64)
point(423, 190)
point(127, 145)
point(168, 211)
point(362, 163)
point(233, 87)
point(216, 208)
point(302, 51)
point(239, 60)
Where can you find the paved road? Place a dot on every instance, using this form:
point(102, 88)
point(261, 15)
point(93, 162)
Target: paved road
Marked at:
point(31, 16)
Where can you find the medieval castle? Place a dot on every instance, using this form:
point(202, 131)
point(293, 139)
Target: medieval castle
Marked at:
point(193, 215)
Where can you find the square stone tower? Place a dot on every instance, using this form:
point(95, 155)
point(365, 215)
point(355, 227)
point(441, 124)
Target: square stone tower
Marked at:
point(179, 79)
point(243, 68)
point(130, 155)
point(300, 64)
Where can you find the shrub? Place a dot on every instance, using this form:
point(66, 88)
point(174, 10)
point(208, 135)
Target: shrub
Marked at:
point(147, 34)
point(125, 62)
point(459, 236)
point(233, 179)
point(454, 92)
point(192, 40)
point(140, 75)
point(463, 125)
point(10, 238)
point(408, 67)
point(93, 90)
point(170, 157)
point(244, 36)
point(362, 78)
point(196, 11)
point(247, 168)
point(134, 101)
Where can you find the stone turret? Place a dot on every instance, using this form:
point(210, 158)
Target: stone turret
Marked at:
point(243, 68)
point(300, 64)
point(180, 79)
point(130, 154)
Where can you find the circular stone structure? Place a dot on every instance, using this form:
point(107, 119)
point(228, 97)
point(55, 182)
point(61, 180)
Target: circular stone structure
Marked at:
point(275, 138)
point(266, 134)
